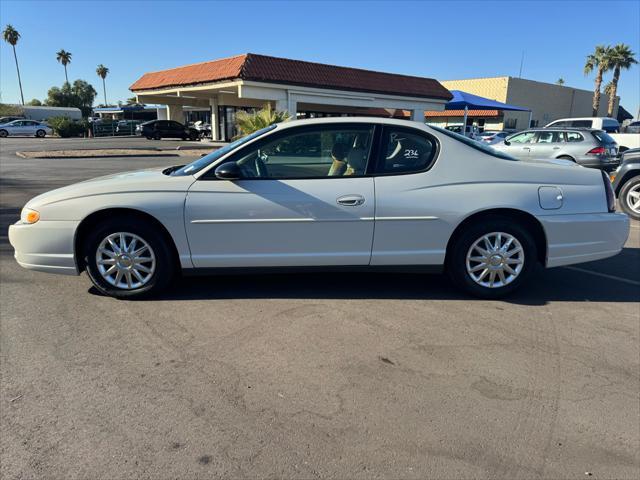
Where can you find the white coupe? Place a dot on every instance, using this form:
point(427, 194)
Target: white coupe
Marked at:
point(336, 192)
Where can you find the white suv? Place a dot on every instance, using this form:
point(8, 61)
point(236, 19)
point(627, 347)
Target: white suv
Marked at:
point(609, 125)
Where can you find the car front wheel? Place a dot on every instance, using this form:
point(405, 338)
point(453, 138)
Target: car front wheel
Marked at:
point(630, 197)
point(4, 133)
point(492, 258)
point(127, 259)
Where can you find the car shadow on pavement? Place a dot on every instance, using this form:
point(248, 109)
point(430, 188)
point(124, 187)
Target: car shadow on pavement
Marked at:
point(557, 284)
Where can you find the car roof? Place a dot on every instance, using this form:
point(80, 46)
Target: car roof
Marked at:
point(563, 129)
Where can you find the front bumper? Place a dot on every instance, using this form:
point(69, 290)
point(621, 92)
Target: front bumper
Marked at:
point(584, 237)
point(45, 246)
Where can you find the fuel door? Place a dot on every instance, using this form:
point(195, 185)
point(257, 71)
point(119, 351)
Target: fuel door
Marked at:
point(550, 198)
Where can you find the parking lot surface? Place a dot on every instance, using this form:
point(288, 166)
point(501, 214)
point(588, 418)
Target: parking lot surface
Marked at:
point(312, 375)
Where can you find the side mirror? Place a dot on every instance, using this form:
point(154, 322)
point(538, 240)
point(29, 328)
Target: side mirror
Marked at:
point(507, 142)
point(228, 171)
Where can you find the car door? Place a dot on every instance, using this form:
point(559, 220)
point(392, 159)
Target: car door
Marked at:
point(405, 231)
point(547, 144)
point(305, 198)
point(30, 127)
point(519, 145)
point(16, 127)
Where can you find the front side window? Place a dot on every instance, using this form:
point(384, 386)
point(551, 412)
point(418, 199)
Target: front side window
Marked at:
point(334, 151)
point(524, 137)
point(405, 151)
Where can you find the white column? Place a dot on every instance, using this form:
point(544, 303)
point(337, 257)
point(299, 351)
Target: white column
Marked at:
point(213, 103)
point(417, 115)
point(289, 105)
point(174, 112)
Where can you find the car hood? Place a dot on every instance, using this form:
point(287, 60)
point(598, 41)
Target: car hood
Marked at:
point(138, 181)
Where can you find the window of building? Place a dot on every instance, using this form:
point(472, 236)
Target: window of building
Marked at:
point(511, 123)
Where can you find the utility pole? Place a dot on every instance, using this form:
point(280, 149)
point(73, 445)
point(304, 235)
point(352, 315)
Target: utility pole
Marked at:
point(521, 63)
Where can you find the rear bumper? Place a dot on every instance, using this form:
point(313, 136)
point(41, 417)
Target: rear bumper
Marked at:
point(45, 246)
point(584, 237)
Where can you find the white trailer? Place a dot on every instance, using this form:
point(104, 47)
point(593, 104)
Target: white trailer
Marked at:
point(626, 141)
point(43, 113)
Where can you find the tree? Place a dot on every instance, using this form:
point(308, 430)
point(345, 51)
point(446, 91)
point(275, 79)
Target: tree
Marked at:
point(560, 81)
point(247, 123)
point(64, 58)
point(35, 103)
point(102, 72)
point(622, 58)
point(80, 95)
point(600, 61)
point(11, 36)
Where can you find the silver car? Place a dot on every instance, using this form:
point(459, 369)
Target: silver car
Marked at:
point(586, 146)
point(25, 128)
point(363, 193)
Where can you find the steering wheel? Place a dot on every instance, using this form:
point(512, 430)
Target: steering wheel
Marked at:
point(258, 169)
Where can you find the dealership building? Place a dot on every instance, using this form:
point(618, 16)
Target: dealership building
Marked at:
point(219, 88)
point(547, 102)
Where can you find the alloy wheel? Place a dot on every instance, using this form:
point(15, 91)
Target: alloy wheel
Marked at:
point(495, 260)
point(125, 260)
point(633, 198)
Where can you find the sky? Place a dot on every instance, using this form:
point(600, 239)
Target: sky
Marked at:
point(438, 39)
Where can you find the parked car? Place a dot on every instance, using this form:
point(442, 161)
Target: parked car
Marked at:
point(470, 131)
point(158, 129)
point(493, 136)
point(626, 183)
point(11, 118)
point(25, 128)
point(609, 125)
point(585, 146)
point(633, 127)
point(127, 127)
point(308, 194)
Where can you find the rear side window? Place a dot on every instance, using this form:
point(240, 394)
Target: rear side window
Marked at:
point(405, 150)
point(603, 137)
point(574, 137)
point(484, 148)
point(581, 123)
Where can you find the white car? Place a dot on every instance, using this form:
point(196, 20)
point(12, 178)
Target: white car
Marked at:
point(25, 128)
point(334, 192)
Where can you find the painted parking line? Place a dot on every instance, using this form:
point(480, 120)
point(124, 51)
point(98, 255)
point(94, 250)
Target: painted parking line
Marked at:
point(604, 275)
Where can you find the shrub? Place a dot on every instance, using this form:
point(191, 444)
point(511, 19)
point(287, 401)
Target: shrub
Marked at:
point(247, 123)
point(65, 127)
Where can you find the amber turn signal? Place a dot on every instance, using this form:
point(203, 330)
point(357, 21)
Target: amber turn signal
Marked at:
point(29, 216)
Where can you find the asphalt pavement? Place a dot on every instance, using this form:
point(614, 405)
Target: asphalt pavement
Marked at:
point(311, 375)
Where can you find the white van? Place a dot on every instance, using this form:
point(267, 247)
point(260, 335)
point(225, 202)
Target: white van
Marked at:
point(609, 125)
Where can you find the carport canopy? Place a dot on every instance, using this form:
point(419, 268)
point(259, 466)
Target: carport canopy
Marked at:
point(462, 100)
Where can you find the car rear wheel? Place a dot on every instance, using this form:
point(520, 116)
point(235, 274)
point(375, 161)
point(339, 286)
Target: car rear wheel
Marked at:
point(566, 157)
point(629, 197)
point(4, 133)
point(40, 133)
point(127, 259)
point(492, 258)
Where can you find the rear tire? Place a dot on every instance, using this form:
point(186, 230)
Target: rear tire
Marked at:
point(463, 258)
point(566, 157)
point(629, 192)
point(154, 275)
point(41, 133)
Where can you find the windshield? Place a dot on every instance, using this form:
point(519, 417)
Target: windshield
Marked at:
point(483, 147)
point(207, 160)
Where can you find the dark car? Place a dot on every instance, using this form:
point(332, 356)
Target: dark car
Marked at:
point(158, 129)
point(626, 182)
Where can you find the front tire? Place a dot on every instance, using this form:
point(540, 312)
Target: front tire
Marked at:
point(157, 136)
point(128, 259)
point(492, 258)
point(629, 197)
point(4, 133)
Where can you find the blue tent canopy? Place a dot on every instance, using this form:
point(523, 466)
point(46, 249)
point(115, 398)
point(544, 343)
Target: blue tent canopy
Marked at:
point(462, 100)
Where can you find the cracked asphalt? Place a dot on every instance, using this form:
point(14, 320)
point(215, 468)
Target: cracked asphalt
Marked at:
point(311, 375)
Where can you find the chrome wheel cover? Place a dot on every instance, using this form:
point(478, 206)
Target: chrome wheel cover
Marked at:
point(495, 260)
point(125, 260)
point(633, 198)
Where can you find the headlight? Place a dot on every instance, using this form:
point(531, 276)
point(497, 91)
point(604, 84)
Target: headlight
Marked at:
point(29, 216)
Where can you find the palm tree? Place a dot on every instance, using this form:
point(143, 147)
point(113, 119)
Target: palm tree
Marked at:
point(247, 123)
point(560, 81)
point(11, 36)
point(64, 58)
point(599, 60)
point(102, 72)
point(622, 58)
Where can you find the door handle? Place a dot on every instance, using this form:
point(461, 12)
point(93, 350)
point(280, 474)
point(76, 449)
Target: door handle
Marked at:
point(526, 148)
point(556, 148)
point(350, 200)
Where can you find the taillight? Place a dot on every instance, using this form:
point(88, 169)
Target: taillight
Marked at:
point(597, 151)
point(611, 198)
